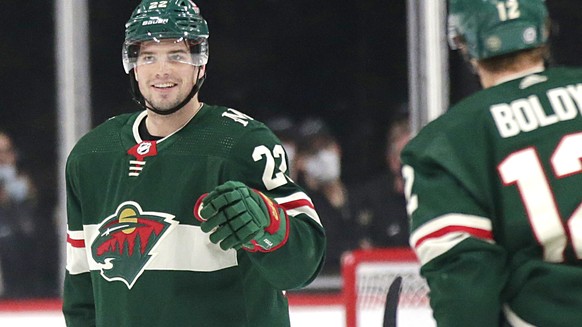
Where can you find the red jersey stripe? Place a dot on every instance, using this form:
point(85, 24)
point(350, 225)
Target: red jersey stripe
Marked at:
point(75, 243)
point(296, 204)
point(476, 232)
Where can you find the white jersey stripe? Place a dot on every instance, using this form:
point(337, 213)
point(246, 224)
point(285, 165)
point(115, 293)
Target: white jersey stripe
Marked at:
point(76, 260)
point(185, 247)
point(76, 254)
point(293, 197)
point(434, 247)
point(76, 234)
point(514, 319)
point(453, 219)
point(304, 209)
point(443, 233)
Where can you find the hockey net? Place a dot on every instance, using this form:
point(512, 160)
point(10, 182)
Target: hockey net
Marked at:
point(367, 276)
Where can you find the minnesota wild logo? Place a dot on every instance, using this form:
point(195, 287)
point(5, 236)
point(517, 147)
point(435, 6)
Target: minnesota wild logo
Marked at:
point(127, 240)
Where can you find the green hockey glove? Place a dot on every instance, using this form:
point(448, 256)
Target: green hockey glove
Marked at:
point(240, 217)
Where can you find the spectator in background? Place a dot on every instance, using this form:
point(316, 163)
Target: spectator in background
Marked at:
point(17, 210)
point(318, 165)
point(379, 204)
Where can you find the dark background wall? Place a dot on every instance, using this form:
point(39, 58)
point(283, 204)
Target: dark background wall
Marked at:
point(344, 61)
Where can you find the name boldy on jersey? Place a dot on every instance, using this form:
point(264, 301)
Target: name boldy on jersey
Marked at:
point(528, 114)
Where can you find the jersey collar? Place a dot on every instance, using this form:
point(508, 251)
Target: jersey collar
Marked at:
point(534, 70)
point(142, 115)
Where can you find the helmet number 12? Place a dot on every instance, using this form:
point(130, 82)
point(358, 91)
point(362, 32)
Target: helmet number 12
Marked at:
point(508, 10)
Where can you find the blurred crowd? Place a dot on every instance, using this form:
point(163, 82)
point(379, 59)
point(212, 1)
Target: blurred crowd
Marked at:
point(364, 215)
point(25, 260)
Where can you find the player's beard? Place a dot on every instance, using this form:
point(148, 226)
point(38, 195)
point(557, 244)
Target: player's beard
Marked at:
point(164, 103)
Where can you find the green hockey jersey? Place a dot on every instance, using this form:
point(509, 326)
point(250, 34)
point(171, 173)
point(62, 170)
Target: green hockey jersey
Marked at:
point(494, 190)
point(136, 255)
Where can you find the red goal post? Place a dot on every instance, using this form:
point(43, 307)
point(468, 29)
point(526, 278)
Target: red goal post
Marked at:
point(367, 275)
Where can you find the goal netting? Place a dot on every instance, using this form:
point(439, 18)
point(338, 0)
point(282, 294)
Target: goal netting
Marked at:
point(367, 276)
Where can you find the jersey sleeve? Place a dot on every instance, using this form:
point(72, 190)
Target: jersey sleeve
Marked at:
point(78, 303)
point(261, 163)
point(451, 233)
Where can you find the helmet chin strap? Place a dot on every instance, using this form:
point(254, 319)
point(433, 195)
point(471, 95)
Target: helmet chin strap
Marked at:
point(140, 100)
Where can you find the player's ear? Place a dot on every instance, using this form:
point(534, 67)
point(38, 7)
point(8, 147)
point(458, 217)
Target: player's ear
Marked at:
point(475, 65)
point(135, 74)
point(202, 70)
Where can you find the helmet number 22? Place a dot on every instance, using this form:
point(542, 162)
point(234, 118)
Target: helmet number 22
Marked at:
point(158, 4)
point(524, 169)
point(508, 10)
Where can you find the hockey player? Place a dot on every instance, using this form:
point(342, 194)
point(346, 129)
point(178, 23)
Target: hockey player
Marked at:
point(494, 186)
point(182, 214)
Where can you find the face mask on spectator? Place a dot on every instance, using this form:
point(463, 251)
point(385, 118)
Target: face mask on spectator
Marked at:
point(7, 173)
point(290, 150)
point(324, 166)
point(16, 188)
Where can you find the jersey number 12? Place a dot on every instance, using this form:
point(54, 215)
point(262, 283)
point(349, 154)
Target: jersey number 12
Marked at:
point(524, 169)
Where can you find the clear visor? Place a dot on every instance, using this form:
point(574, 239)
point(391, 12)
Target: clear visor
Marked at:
point(194, 53)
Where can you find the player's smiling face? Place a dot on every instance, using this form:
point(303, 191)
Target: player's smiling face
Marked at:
point(165, 73)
